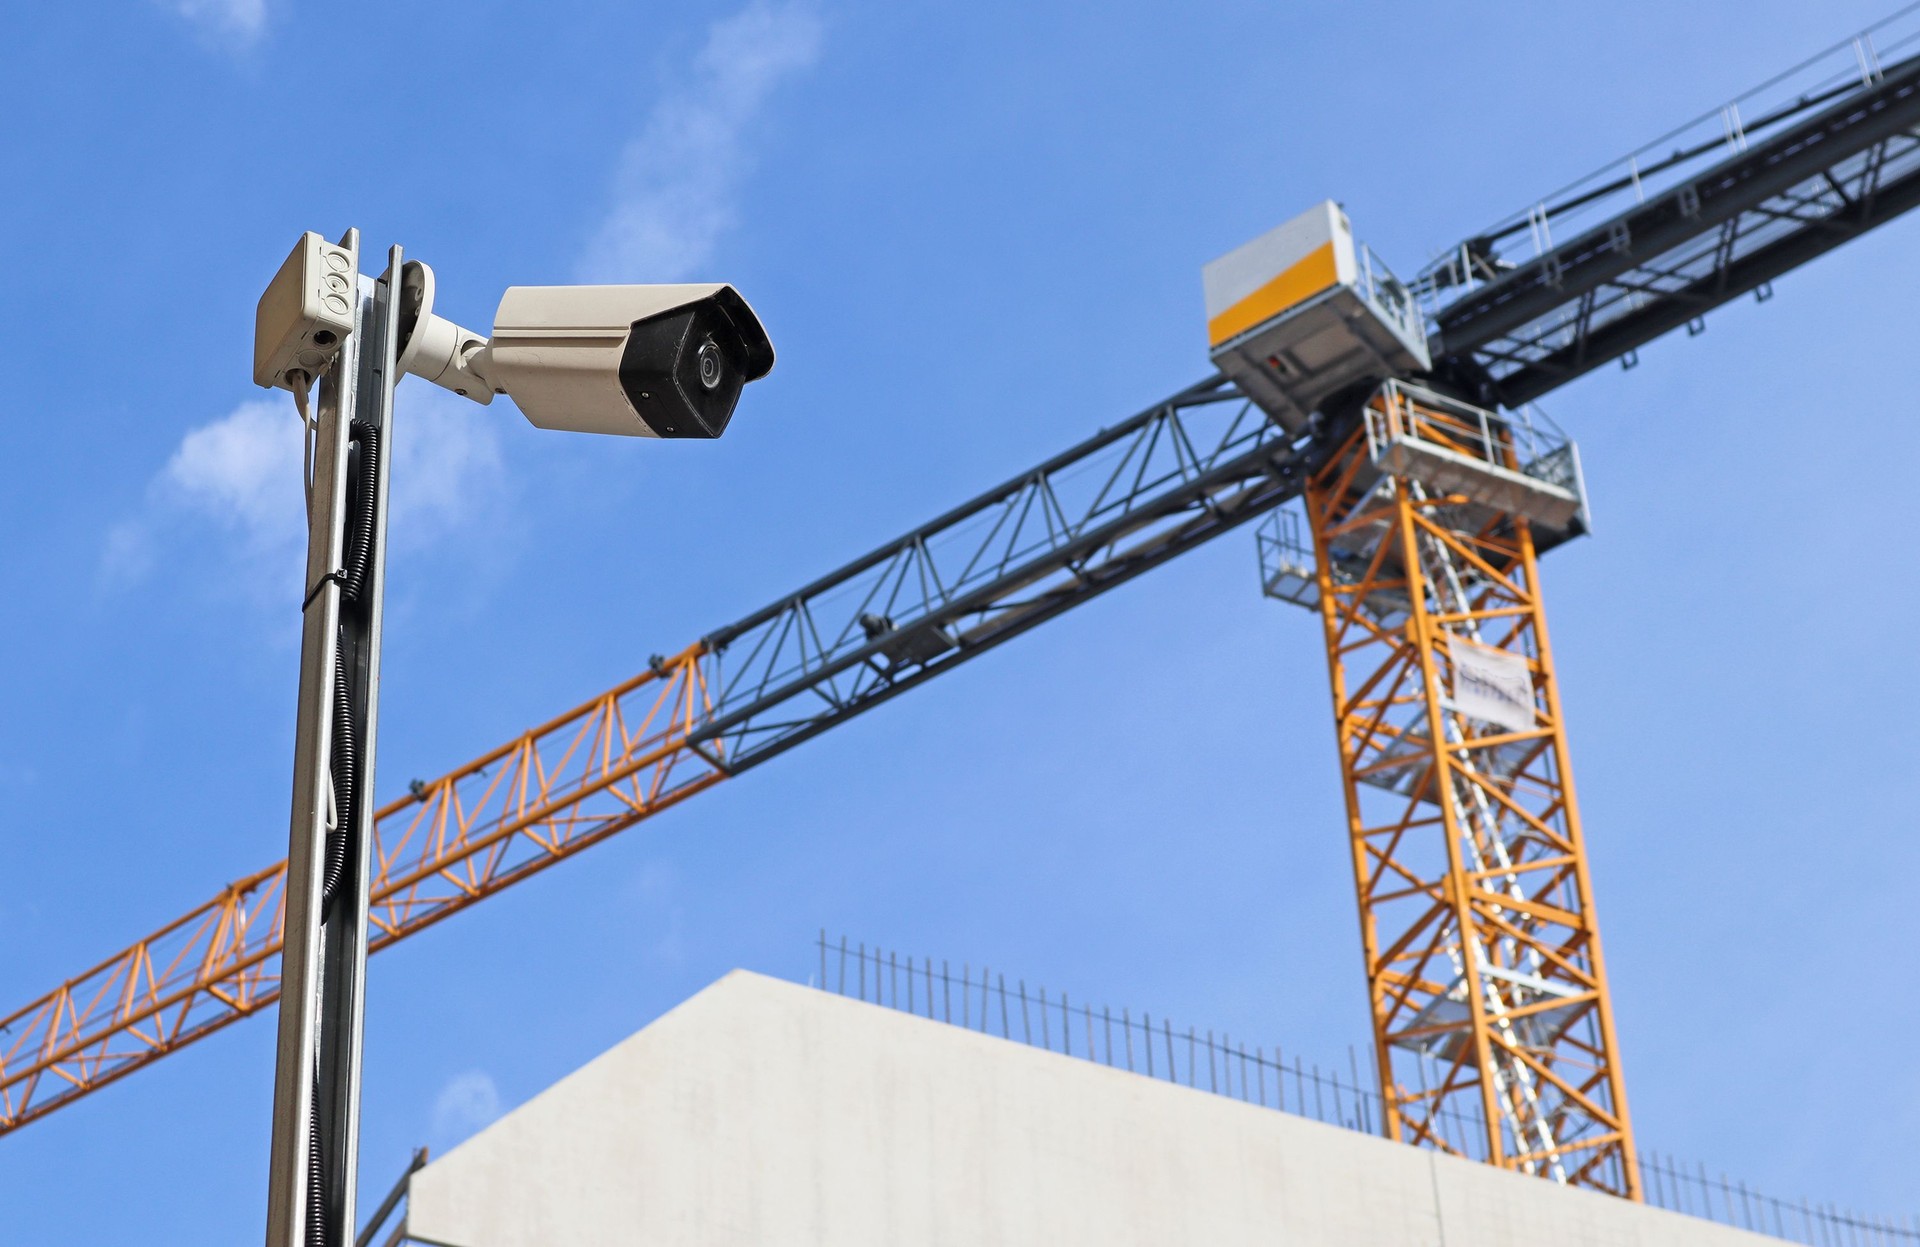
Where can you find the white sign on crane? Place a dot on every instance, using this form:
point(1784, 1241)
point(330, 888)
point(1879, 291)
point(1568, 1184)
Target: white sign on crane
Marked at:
point(1491, 684)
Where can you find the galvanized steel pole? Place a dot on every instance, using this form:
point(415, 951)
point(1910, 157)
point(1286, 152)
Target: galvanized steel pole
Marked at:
point(316, 1101)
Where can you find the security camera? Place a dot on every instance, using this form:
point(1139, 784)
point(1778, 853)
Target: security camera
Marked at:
point(645, 361)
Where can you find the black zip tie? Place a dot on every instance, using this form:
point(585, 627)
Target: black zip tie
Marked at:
point(339, 578)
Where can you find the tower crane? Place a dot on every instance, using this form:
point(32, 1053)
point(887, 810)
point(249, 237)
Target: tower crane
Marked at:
point(1397, 417)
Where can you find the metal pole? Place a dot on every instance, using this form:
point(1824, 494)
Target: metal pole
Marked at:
point(316, 1098)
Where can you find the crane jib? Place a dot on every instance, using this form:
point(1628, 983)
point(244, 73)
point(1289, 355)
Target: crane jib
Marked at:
point(1710, 237)
point(901, 615)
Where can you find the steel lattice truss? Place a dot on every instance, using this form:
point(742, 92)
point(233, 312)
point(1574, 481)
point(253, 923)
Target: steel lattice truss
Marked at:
point(1685, 234)
point(1490, 1009)
point(548, 794)
point(1177, 474)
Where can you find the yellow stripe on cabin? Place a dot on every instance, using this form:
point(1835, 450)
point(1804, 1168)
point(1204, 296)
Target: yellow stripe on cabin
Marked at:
point(1308, 276)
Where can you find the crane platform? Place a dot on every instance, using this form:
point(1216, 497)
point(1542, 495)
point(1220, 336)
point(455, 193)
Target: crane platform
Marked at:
point(1516, 463)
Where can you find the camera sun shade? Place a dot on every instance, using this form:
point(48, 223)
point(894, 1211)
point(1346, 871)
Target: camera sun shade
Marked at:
point(683, 369)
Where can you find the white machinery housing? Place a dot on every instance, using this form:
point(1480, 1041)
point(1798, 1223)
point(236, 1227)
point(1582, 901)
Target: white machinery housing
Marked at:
point(1303, 312)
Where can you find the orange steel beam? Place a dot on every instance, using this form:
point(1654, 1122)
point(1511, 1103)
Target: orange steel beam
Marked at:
point(1492, 1024)
point(552, 792)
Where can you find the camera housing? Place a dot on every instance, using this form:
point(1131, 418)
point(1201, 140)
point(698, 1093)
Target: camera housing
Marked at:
point(641, 361)
point(657, 361)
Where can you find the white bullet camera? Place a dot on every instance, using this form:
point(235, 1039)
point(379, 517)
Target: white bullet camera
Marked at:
point(644, 361)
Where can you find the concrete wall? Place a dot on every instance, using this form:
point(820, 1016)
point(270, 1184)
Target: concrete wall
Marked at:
point(760, 1113)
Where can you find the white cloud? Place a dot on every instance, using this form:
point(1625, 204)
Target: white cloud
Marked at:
point(243, 471)
point(676, 183)
point(239, 22)
point(128, 554)
point(468, 1103)
point(447, 466)
point(240, 474)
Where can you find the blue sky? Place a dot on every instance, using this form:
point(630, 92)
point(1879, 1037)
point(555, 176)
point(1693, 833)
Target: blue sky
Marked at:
point(975, 232)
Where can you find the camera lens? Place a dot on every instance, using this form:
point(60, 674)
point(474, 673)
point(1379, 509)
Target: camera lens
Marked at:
point(682, 370)
point(712, 365)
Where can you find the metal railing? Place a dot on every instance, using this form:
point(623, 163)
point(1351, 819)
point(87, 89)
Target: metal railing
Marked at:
point(1678, 155)
point(1287, 563)
point(983, 1000)
point(1391, 298)
point(391, 1215)
point(1207, 1061)
point(1404, 409)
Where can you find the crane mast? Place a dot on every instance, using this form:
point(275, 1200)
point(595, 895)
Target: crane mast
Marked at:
point(1400, 414)
point(1492, 1023)
point(1490, 1012)
point(1490, 1007)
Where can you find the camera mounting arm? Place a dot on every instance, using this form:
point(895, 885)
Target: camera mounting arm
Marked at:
point(433, 347)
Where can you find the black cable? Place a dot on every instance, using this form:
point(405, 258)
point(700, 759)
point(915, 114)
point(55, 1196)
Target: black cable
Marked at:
point(359, 535)
point(316, 1176)
point(362, 485)
point(363, 481)
point(344, 768)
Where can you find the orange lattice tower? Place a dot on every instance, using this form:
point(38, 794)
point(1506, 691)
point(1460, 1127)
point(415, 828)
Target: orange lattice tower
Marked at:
point(1492, 1025)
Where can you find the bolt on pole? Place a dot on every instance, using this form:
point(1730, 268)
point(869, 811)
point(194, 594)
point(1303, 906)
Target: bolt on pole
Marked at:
point(316, 1099)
